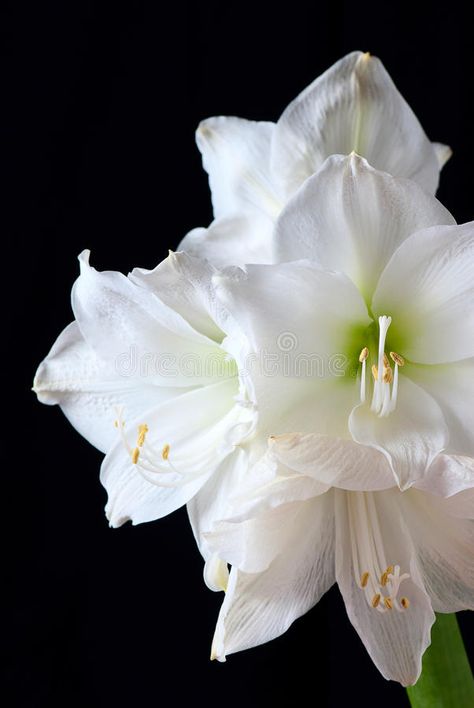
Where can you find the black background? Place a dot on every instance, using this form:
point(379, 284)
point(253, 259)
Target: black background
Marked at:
point(99, 108)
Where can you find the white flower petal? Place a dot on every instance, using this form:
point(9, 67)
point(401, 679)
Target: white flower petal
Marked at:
point(235, 240)
point(354, 106)
point(448, 475)
point(351, 218)
point(124, 323)
point(443, 153)
point(334, 461)
point(395, 640)
point(444, 545)
point(90, 391)
point(410, 437)
point(197, 446)
point(184, 283)
point(236, 154)
point(452, 386)
point(299, 322)
point(261, 606)
point(428, 287)
point(212, 502)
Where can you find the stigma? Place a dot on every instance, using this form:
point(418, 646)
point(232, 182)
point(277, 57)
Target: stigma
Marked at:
point(385, 378)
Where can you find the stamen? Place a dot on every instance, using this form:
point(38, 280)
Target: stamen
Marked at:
point(364, 354)
point(135, 455)
point(165, 452)
point(375, 372)
point(387, 375)
point(380, 587)
point(375, 600)
point(386, 361)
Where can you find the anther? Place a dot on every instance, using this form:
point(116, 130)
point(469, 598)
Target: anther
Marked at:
point(135, 455)
point(375, 600)
point(386, 361)
point(390, 570)
point(387, 375)
point(364, 579)
point(375, 372)
point(397, 358)
point(165, 452)
point(384, 579)
point(142, 431)
point(364, 354)
point(387, 601)
point(405, 603)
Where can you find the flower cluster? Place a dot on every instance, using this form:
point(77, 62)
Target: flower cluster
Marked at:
point(352, 461)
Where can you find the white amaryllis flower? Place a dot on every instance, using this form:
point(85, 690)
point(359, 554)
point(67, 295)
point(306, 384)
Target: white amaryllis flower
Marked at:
point(255, 167)
point(396, 556)
point(147, 373)
point(380, 320)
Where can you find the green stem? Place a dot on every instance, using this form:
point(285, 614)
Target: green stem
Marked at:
point(446, 680)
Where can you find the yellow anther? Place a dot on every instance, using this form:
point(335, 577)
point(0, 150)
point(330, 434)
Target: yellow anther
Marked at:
point(390, 570)
point(384, 579)
point(116, 424)
point(375, 600)
point(142, 431)
point(397, 358)
point(405, 603)
point(375, 372)
point(165, 452)
point(387, 375)
point(364, 354)
point(366, 55)
point(386, 361)
point(364, 579)
point(388, 602)
point(135, 455)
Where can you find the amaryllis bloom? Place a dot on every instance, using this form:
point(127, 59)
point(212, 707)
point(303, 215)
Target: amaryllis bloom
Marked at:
point(396, 556)
point(147, 373)
point(256, 167)
point(380, 320)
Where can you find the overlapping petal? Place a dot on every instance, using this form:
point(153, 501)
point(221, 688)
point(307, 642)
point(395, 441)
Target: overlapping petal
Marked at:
point(428, 286)
point(351, 218)
point(353, 106)
point(395, 640)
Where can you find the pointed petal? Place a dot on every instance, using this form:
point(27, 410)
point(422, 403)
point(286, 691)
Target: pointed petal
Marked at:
point(361, 218)
point(334, 461)
point(443, 153)
point(434, 310)
point(90, 391)
point(235, 240)
point(444, 544)
point(261, 606)
point(236, 154)
point(354, 106)
point(197, 446)
point(410, 437)
point(123, 323)
point(452, 386)
point(395, 640)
